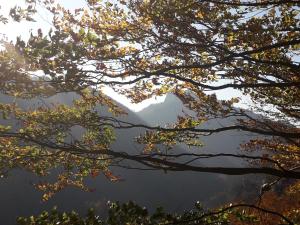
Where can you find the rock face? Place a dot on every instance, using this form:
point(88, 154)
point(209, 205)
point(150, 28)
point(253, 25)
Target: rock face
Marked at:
point(174, 191)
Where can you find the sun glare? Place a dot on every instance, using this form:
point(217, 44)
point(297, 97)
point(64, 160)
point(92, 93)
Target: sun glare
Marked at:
point(12, 30)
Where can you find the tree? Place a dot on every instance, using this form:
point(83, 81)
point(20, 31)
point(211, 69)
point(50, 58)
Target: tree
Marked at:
point(141, 49)
point(130, 213)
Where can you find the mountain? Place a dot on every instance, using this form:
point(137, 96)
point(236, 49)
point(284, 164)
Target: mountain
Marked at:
point(225, 142)
point(176, 191)
point(162, 113)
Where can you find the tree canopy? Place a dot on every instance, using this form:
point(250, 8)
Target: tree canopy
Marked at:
point(146, 48)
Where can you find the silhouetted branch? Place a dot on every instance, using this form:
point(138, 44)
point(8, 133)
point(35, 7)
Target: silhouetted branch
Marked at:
point(268, 211)
point(203, 130)
point(249, 3)
point(159, 163)
point(207, 156)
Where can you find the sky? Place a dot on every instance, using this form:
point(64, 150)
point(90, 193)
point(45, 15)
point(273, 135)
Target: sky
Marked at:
point(23, 29)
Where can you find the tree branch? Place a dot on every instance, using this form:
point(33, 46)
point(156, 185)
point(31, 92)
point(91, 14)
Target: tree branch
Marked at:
point(159, 163)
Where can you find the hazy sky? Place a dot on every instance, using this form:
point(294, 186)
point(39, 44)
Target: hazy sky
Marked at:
point(13, 29)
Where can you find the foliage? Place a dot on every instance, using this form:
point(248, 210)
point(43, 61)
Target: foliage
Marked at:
point(133, 214)
point(55, 217)
point(141, 49)
point(129, 213)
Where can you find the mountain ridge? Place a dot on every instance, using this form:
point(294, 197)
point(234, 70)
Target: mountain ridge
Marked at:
point(173, 190)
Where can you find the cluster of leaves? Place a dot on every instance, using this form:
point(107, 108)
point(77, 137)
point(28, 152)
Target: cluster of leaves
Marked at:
point(41, 139)
point(270, 211)
point(128, 213)
point(55, 217)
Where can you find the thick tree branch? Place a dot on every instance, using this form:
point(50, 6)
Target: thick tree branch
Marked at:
point(126, 125)
point(157, 162)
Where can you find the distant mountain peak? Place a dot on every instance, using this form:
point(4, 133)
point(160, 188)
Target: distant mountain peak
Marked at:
point(171, 97)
